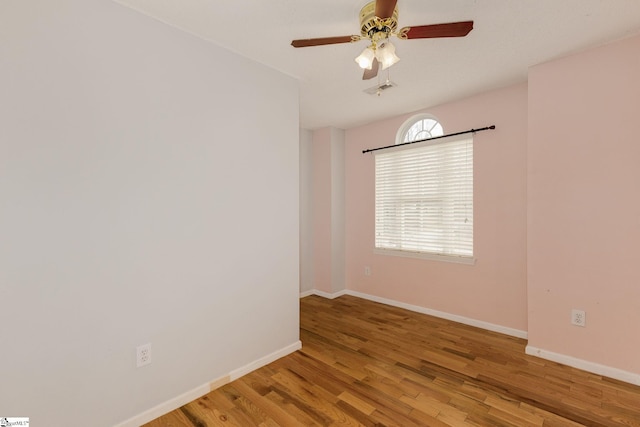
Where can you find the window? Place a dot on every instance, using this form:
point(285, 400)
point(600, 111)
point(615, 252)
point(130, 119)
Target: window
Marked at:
point(424, 197)
point(419, 127)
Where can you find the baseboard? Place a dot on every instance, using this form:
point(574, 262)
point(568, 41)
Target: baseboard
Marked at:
point(324, 294)
point(453, 317)
point(443, 315)
point(307, 293)
point(237, 373)
point(594, 368)
point(201, 390)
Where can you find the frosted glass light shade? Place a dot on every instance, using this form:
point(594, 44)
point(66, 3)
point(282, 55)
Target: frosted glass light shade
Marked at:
point(386, 55)
point(365, 59)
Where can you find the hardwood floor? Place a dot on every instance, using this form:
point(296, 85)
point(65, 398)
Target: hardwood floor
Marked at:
point(368, 364)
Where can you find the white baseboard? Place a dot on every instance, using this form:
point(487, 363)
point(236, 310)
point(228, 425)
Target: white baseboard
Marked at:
point(307, 293)
point(441, 314)
point(237, 373)
point(324, 294)
point(595, 368)
point(453, 317)
point(201, 390)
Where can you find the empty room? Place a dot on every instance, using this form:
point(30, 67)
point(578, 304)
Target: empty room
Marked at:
point(362, 213)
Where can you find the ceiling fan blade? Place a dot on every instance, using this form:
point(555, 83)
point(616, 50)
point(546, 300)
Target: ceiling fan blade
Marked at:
point(369, 74)
point(322, 41)
point(385, 8)
point(452, 29)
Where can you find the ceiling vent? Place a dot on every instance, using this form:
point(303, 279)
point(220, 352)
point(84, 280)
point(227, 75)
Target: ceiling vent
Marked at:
point(377, 90)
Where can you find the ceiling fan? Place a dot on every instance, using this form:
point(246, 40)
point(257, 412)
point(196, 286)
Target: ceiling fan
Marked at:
point(378, 22)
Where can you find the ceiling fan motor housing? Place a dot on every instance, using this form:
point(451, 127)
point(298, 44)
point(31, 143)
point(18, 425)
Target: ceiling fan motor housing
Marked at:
point(374, 28)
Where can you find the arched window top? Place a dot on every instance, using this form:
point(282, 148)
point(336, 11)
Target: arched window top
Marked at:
point(418, 127)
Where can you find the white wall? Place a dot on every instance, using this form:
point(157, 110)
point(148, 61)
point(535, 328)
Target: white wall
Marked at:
point(148, 193)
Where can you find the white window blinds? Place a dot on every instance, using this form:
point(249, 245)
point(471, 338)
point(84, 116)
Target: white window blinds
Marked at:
point(424, 198)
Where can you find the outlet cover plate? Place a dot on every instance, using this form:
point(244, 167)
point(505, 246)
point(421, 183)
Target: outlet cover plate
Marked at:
point(578, 317)
point(143, 355)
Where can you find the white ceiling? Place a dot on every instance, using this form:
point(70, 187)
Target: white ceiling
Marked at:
point(508, 37)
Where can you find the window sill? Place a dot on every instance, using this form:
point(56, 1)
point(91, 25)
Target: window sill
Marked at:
point(424, 255)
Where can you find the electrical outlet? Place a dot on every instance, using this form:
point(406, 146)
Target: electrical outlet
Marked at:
point(578, 317)
point(367, 271)
point(143, 355)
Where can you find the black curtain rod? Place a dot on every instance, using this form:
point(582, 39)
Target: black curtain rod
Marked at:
point(430, 139)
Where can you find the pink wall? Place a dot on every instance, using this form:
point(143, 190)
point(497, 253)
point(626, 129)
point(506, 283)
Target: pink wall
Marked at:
point(322, 255)
point(494, 289)
point(584, 205)
point(557, 212)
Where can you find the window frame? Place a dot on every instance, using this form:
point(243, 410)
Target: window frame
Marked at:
point(421, 252)
point(411, 121)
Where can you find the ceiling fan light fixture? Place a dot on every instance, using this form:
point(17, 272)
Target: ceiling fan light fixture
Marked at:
point(378, 22)
point(365, 59)
point(386, 55)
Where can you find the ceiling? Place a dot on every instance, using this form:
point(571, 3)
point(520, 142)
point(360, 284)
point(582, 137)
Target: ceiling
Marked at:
point(508, 37)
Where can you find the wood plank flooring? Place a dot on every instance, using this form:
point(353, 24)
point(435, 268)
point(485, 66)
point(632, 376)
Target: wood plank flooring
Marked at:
point(368, 364)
